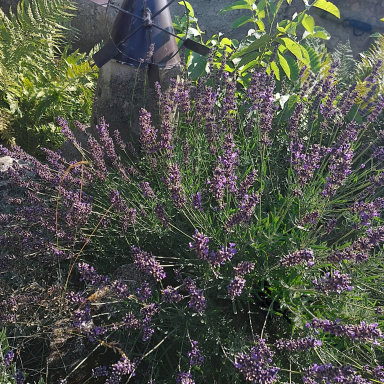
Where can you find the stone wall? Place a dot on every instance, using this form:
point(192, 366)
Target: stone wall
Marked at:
point(93, 21)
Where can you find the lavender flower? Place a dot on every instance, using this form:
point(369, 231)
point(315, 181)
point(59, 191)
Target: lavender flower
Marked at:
point(98, 158)
point(336, 283)
point(339, 169)
point(8, 358)
point(185, 378)
point(75, 297)
point(144, 292)
point(236, 286)
point(243, 268)
point(196, 202)
point(355, 332)
point(147, 191)
point(100, 372)
point(148, 133)
point(305, 162)
point(200, 245)
point(175, 187)
point(358, 251)
point(332, 375)
point(106, 141)
point(161, 215)
point(246, 209)
point(119, 141)
point(130, 321)
point(82, 318)
point(147, 263)
point(170, 295)
point(293, 345)
point(89, 275)
point(197, 300)
point(246, 184)
point(257, 365)
point(19, 377)
point(367, 211)
point(196, 358)
point(223, 255)
point(119, 369)
point(298, 257)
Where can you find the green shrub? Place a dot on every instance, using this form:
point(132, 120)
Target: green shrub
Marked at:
point(40, 79)
point(243, 241)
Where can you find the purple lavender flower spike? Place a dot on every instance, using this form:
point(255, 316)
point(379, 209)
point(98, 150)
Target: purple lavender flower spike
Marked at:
point(355, 332)
point(147, 263)
point(123, 367)
point(236, 286)
point(197, 301)
point(8, 358)
point(161, 215)
point(144, 292)
point(185, 378)
point(332, 375)
point(196, 202)
point(298, 257)
point(293, 345)
point(196, 358)
point(257, 365)
point(243, 268)
point(100, 372)
point(170, 295)
point(148, 133)
point(200, 245)
point(175, 187)
point(89, 275)
point(19, 377)
point(338, 283)
point(106, 141)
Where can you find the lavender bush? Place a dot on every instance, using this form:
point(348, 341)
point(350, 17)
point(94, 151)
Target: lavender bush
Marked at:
point(241, 242)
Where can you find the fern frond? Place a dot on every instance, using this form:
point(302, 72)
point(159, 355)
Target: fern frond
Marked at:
point(346, 71)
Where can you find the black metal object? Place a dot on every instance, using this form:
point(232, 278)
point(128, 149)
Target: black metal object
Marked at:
point(139, 24)
point(359, 27)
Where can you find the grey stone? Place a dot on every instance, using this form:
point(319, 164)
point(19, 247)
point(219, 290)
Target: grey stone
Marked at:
point(121, 91)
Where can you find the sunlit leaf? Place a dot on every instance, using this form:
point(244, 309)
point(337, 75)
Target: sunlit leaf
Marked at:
point(242, 4)
point(241, 21)
point(308, 23)
point(189, 7)
point(284, 64)
point(327, 6)
point(276, 70)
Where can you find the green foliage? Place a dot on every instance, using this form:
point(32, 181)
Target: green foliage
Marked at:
point(269, 44)
point(40, 79)
point(277, 173)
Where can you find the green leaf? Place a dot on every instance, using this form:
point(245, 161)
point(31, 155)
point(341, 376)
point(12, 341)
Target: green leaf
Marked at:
point(314, 58)
point(294, 48)
point(263, 40)
point(261, 25)
point(376, 34)
point(241, 21)
point(248, 58)
point(276, 70)
point(284, 64)
point(189, 7)
point(261, 6)
point(327, 6)
point(308, 23)
point(319, 32)
point(197, 65)
point(293, 67)
point(289, 2)
point(237, 5)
